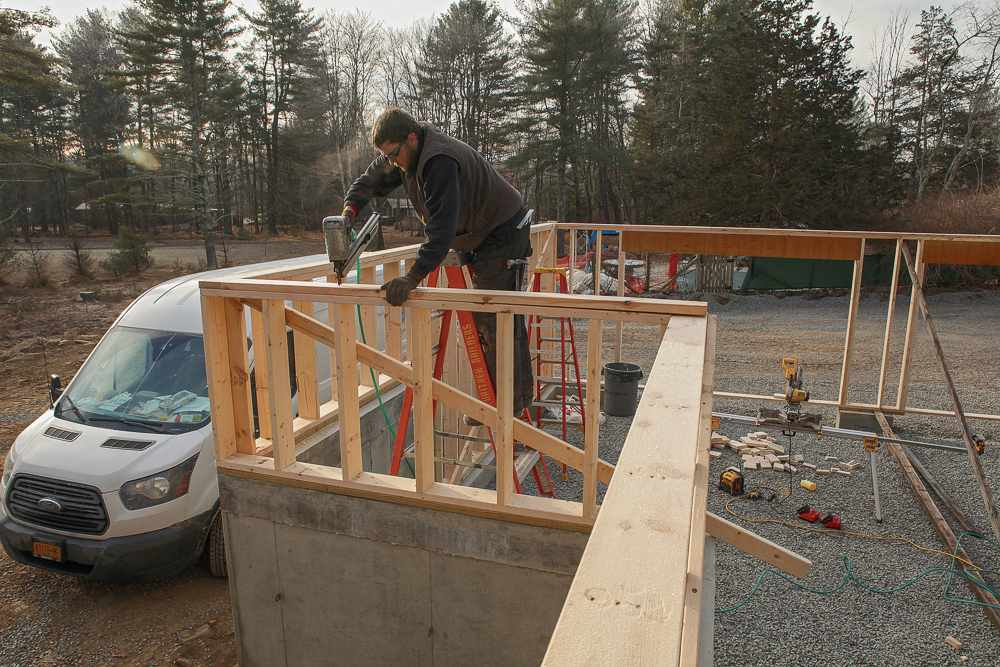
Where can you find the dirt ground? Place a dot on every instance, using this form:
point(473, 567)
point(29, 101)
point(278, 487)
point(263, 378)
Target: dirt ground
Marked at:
point(50, 619)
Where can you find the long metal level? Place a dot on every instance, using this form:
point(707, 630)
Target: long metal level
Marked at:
point(830, 432)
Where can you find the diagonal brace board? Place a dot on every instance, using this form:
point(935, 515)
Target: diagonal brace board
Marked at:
point(937, 520)
point(970, 445)
point(531, 436)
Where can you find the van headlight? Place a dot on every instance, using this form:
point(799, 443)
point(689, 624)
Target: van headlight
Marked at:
point(159, 488)
point(8, 466)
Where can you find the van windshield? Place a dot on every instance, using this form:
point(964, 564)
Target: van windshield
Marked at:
point(142, 379)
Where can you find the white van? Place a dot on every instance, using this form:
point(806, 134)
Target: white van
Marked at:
point(117, 480)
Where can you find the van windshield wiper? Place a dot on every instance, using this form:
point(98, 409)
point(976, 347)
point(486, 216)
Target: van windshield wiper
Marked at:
point(131, 422)
point(75, 409)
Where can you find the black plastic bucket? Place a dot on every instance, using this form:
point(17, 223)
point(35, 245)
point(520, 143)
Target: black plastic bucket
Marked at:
point(621, 388)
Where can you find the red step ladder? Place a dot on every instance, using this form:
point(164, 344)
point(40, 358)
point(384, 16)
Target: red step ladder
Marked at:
point(537, 326)
point(459, 277)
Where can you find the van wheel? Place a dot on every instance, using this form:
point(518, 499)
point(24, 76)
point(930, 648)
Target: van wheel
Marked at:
point(217, 549)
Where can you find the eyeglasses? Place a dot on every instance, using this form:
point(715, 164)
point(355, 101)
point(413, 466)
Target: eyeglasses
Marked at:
point(395, 154)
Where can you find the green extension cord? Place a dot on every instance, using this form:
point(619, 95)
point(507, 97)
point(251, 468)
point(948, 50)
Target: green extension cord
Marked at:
point(850, 576)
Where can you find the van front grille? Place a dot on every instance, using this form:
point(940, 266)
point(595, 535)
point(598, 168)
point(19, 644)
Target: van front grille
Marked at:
point(74, 508)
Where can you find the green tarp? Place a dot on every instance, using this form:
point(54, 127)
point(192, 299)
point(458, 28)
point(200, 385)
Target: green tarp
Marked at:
point(781, 273)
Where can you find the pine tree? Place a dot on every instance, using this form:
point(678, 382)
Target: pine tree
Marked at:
point(286, 48)
point(579, 62)
point(466, 73)
point(187, 41)
point(948, 109)
point(760, 124)
point(555, 50)
point(92, 61)
point(34, 133)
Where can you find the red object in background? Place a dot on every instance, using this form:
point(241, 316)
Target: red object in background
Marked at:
point(672, 270)
point(830, 521)
point(809, 515)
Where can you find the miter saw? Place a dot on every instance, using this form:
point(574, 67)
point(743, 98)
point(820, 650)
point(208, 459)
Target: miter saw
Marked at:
point(792, 416)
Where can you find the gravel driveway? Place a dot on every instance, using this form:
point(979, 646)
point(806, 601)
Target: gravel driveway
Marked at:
point(841, 622)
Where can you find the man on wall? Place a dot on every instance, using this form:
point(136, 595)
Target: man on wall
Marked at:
point(466, 206)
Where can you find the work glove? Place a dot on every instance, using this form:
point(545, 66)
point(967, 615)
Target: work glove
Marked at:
point(397, 289)
point(350, 215)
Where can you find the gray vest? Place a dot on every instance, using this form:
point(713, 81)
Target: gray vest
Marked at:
point(488, 200)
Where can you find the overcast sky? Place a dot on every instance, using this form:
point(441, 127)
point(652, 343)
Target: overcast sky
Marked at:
point(862, 17)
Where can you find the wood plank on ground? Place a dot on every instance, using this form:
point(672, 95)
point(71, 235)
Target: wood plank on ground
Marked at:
point(937, 520)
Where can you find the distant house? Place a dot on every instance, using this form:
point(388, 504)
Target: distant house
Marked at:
point(401, 209)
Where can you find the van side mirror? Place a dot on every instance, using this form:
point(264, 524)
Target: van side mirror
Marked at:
point(55, 388)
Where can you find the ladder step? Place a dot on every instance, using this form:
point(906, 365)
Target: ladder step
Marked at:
point(542, 478)
point(553, 340)
point(555, 380)
point(543, 326)
point(534, 351)
point(525, 462)
point(454, 462)
point(459, 436)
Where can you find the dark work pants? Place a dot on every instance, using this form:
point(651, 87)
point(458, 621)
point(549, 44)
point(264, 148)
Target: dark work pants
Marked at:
point(489, 271)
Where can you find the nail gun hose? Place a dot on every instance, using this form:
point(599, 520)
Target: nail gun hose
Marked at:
point(378, 394)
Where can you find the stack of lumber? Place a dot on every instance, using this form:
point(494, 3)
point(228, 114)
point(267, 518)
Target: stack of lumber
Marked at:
point(760, 451)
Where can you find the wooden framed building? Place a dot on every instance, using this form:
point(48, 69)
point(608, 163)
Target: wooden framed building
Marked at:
point(430, 562)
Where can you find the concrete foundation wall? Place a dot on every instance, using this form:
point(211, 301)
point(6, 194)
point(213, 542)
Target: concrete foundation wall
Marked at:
point(324, 579)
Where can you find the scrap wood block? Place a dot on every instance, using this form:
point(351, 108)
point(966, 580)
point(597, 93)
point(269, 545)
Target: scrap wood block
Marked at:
point(821, 471)
point(777, 448)
point(771, 438)
point(718, 445)
point(954, 643)
point(765, 465)
point(715, 454)
point(844, 473)
point(811, 466)
point(798, 458)
point(832, 458)
point(789, 466)
point(719, 439)
point(758, 434)
point(783, 458)
point(749, 465)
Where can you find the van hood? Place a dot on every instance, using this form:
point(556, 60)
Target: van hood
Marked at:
point(80, 453)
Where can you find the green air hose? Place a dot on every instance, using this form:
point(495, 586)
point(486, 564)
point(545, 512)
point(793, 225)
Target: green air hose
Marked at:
point(849, 576)
point(378, 394)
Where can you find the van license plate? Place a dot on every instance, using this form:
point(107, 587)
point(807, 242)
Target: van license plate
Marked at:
point(47, 549)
